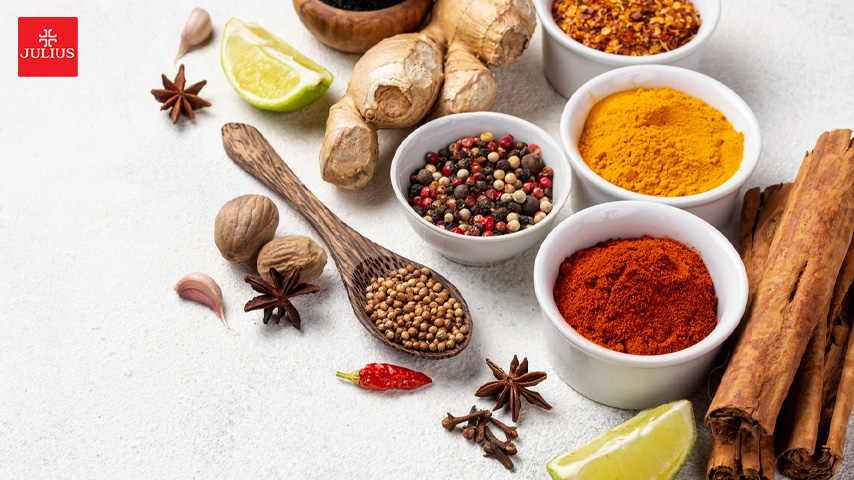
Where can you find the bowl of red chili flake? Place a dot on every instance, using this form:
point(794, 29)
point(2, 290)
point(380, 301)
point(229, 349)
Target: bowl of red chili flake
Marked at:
point(586, 38)
point(638, 299)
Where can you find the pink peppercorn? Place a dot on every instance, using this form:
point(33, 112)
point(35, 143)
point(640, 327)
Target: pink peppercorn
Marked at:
point(545, 182)
point(537, 192)
point(506, 141)
point(487, 224)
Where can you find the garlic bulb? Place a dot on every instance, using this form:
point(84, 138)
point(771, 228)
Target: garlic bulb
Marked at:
point(196, 31)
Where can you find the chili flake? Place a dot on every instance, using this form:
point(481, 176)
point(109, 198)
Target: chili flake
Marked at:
point(628, 27)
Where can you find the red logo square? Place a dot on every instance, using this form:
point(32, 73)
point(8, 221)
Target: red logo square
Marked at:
point(47, 46)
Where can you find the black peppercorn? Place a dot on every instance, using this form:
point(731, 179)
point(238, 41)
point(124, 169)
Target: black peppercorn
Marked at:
point(524, 175)
point(424, 177)
point(531, 205)
point(513, 207)
point(486, 170)
point(419, 210)
point(461, 191)
point(520, 145)
point(415, 190)
point(444, 153)
point(464, 163)
point(500, 214)
point(525, 220)
point(503, 165)
point(480, 186)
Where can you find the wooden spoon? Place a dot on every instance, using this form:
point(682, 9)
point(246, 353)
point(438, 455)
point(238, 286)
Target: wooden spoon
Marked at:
point(358, 259)
point(357, 31)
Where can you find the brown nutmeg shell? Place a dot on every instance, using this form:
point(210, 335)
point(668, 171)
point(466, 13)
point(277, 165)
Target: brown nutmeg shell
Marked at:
point(285, 252)
point(244, 225)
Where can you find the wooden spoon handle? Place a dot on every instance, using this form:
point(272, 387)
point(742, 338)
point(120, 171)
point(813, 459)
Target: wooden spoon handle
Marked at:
point(249, 149)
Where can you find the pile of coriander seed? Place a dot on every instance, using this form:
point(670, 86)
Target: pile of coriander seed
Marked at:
point(414, 310)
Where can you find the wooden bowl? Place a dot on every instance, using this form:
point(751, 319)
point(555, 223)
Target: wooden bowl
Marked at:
point(356, 32)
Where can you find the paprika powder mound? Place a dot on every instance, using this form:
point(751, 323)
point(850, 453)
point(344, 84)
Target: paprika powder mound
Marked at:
point(642, 296)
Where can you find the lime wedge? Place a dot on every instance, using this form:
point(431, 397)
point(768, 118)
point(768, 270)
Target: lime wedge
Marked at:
point(653, 445)
point(266, 71)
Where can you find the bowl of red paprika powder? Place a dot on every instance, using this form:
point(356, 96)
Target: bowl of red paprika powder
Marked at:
point(659, 304)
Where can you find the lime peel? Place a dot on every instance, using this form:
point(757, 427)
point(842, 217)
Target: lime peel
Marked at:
point(655, 443)
point(266, 71)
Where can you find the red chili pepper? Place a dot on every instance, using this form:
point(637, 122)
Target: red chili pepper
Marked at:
point(382, 376)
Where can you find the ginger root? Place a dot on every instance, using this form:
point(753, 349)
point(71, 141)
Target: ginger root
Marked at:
point(399, 80)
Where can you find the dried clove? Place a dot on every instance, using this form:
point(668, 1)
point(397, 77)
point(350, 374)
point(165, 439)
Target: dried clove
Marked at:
point(506, 446)
point(200, 287)
point(509, 431)
point(469, 429)
point(451, 421)
point(479, 430)
point(491, 450)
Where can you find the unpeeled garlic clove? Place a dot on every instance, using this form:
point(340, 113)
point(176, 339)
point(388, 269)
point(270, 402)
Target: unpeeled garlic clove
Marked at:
point(196, 31)
point(201, 288)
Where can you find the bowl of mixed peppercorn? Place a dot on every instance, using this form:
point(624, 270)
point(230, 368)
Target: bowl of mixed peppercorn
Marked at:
point(585, 39)
point(480, 187)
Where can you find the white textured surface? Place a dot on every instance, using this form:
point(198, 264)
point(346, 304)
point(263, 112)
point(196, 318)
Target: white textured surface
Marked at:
point(104, 204)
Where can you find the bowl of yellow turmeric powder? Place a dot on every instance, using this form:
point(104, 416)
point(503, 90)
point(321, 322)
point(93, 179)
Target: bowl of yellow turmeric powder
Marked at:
point(662, 134)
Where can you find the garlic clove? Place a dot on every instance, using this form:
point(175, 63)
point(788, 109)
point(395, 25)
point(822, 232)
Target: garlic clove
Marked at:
point(201, 288)
point(196, 30)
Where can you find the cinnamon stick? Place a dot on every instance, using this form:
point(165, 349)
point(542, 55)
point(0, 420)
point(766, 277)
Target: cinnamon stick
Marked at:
point(748, 457)
point(760, 215)
point(817, 453)
point(724, 462)
point(809, 407)
point(794, 292)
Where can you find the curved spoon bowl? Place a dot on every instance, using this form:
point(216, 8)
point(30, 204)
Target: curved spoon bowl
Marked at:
point(357, 258)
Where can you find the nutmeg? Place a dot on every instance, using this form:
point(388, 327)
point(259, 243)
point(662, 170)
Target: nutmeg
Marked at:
point(244, 225)
point(285, 252)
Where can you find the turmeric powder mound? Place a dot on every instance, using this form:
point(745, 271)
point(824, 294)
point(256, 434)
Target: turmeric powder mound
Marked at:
point(660, 142)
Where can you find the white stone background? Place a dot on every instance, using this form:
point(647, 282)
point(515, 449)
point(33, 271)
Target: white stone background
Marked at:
point(104, 204)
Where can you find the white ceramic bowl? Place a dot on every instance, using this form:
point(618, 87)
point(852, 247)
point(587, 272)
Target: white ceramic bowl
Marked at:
point(714, 206)
point(568, 63)
point(438, 133)
point(634, 381)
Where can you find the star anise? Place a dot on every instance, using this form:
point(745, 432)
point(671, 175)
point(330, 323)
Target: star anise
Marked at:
point(510, 387)
point(278, 294)
point(179, 98)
